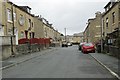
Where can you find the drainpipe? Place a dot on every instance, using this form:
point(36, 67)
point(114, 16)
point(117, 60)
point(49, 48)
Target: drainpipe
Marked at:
point(12, 31)
point(13, 19)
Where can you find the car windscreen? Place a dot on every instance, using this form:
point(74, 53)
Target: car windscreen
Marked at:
point(88, 44)
point(82, 43)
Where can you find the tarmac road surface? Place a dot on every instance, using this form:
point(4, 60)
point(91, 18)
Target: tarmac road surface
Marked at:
point(60, 63)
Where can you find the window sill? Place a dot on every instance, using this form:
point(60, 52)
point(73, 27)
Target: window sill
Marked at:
point(113, 24)
point(10, 21)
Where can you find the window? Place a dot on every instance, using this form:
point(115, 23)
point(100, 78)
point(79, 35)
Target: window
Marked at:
point(10, 31)
point(22, 34)
point(107, 22)
point(103, 24)
point(32, 24)
point(113, 17)
point(21, 15)
point(30, 35)
point(28, 10)
point(105, 9)
point(14, 14)
point(119, 14)
point(29, 22)
point(107, 25)
point(1, 31)
point(9, 15)
point(21, 20)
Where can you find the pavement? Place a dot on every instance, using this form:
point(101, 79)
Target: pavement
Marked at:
point(12, 61)
point(110, 63)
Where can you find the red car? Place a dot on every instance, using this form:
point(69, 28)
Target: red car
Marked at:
point(88, 47)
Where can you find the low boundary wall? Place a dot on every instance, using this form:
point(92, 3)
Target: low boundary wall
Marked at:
point(8, 47)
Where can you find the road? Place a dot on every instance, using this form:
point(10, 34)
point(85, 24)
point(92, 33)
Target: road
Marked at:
point(60, 63)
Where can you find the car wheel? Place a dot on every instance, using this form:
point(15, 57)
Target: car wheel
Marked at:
point(82, 51)
point(94, 51)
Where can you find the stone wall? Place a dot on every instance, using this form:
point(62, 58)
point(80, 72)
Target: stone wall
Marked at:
point(29, 48)
point(55, 44)
point(8, 47)
point(114, 51)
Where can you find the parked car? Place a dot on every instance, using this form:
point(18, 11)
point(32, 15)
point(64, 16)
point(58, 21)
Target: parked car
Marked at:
point(88, 47)
point(69, 44)
point(64, 44)
point(80, 45)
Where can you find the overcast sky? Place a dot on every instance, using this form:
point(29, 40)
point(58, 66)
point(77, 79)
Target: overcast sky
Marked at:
point(70, 14)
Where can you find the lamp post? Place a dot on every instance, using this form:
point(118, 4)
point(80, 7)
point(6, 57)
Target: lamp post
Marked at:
point(102, 22)
point(65, 34)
